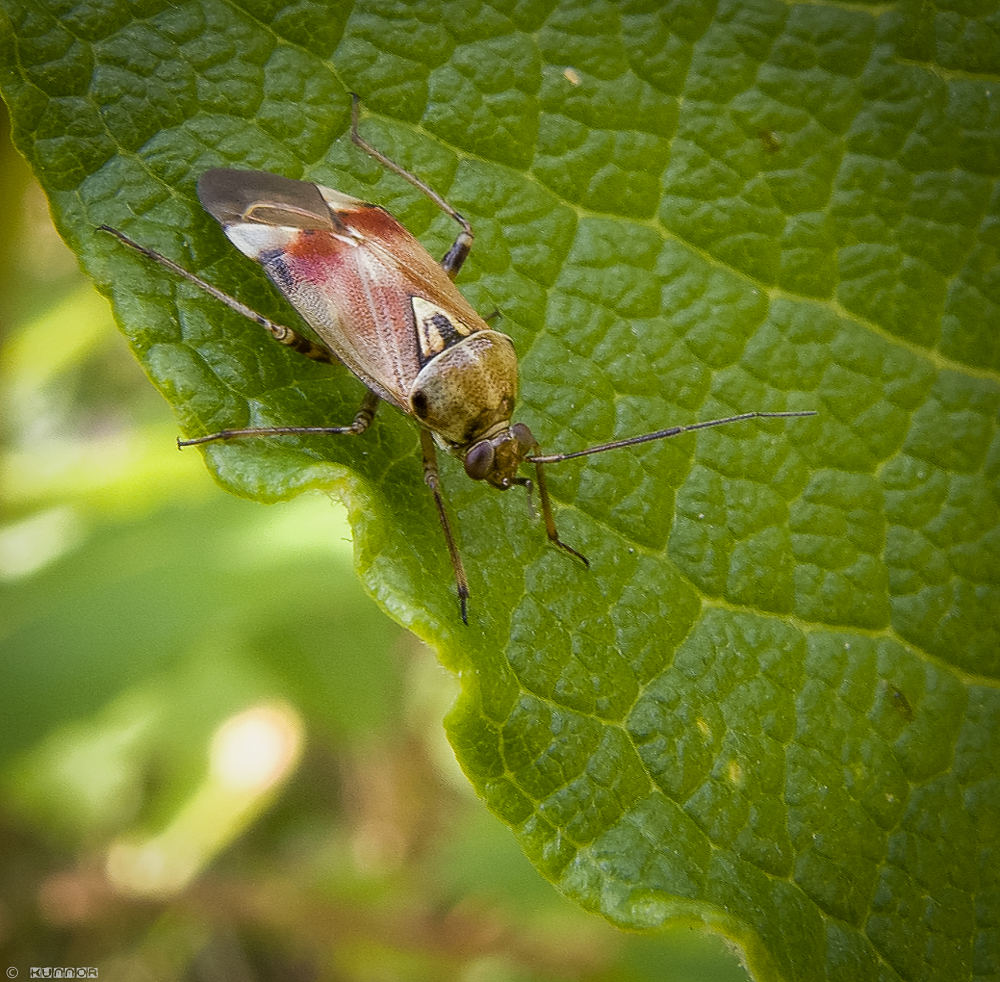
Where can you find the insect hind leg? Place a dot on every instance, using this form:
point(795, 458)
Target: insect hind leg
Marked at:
point(283, 335)
point(462, 246)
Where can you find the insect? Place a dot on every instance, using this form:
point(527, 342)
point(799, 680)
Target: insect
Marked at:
point(383, 307)
point(770, 139)
point(899, 700)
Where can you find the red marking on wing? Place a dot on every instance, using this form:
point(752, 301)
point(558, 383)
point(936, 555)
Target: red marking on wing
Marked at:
point(316, 256)
point(355, 290)
point(377, 224)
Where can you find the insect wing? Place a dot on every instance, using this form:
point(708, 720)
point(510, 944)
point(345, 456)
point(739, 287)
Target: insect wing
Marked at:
point(368, 288)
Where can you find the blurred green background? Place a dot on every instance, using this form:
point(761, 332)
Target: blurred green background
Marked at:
point(218, 758)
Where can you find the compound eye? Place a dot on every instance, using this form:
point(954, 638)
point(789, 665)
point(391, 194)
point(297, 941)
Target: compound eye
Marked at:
point(523, 436)
point(479, 460)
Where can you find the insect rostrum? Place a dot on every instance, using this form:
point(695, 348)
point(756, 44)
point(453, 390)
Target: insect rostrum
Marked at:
point(381, 305)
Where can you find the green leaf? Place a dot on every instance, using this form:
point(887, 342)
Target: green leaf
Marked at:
point(770, 705)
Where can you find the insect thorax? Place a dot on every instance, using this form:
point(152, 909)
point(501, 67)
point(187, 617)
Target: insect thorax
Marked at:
point(467, 391)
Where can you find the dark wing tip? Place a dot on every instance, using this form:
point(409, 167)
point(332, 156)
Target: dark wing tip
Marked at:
point(254, 195)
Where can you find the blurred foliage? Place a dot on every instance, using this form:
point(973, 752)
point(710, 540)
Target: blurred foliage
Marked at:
point(140, 608)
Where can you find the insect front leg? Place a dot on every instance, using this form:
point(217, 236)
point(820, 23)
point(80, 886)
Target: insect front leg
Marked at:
point(362, 420)
point(462, 246)
point(433, 480)
point(550, 522)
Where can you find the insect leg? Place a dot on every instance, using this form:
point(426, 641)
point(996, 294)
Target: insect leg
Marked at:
point(460, 248)
point(280, 333)
point(362, 420)
point(433, 480)
point(550, 522)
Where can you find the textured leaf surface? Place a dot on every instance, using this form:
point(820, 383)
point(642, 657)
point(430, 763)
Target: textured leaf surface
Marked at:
point(770, 705)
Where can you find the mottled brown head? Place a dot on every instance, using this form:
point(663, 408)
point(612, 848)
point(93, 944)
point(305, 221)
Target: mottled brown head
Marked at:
point(496, 458)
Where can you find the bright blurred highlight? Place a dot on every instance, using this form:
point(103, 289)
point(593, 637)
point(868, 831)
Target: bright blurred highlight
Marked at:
point(31, 544)
point(255, 750)
point(251, 755)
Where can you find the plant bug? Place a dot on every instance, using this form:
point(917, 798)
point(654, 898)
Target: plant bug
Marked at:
point(379, 304)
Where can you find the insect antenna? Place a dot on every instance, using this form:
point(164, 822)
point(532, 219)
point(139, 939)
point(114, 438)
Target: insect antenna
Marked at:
point(661, 435)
